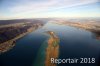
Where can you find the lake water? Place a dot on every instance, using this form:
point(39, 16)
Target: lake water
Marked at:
point(74, 43)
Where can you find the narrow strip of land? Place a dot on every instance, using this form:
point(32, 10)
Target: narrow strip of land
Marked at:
point(52, 50)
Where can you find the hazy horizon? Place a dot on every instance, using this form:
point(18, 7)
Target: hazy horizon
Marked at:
point(23, 9)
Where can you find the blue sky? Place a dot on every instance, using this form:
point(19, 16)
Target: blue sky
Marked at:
point(16, 9)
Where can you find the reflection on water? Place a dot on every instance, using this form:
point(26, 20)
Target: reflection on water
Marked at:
point(50, 49)
point(97, 36)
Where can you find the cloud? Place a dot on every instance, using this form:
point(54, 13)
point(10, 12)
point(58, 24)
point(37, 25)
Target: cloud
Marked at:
point(30, 8)
point(35, 6)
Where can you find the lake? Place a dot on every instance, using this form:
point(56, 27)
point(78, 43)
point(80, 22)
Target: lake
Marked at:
point(74, 43)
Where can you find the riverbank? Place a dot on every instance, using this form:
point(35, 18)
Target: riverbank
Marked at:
point(93, 27)
point(9, 44)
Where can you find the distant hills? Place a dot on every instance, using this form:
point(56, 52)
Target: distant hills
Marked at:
point(5, 22)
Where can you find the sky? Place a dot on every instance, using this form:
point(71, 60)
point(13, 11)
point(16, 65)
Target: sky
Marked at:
point(18, 9)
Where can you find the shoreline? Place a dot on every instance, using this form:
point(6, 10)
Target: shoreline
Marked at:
point(46, 52)
point(6, 46)
point(92, 27)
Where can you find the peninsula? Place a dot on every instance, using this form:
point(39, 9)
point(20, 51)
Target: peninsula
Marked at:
point(52, 50)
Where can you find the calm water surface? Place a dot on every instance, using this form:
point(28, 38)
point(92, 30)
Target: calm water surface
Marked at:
point(74, 43)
